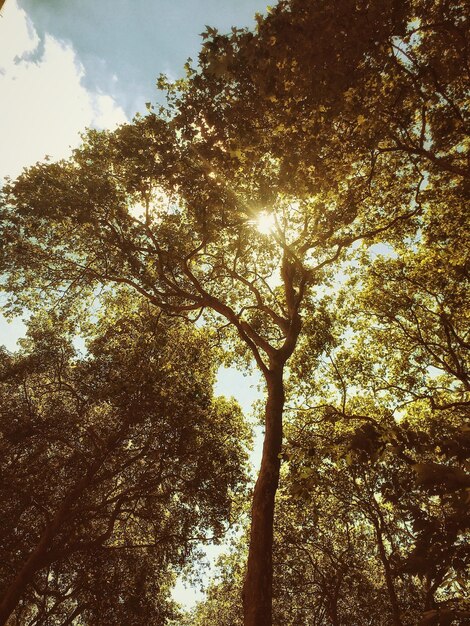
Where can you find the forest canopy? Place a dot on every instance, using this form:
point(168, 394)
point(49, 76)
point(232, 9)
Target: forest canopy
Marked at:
point(298, 205)
point(116, 467)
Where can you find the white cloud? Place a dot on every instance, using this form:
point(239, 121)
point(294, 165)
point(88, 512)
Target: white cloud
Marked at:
point(18, 35)
point(43, 103)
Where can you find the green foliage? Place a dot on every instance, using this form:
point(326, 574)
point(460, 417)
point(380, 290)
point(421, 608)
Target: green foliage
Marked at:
point(346, 123)
point(115, 464)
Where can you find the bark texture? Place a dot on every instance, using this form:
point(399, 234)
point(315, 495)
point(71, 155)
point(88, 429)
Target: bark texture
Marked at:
point(388, 577)
point(42, 555)
point(21, 581)
point(257, 589)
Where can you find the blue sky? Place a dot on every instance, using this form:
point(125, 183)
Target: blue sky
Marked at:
point(70, 64)
point(124, 44)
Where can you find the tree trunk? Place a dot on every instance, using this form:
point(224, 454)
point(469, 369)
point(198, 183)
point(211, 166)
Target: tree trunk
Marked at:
point(333, 612)
point(333, 601)
point(24, 577)
point(257, 588)
point(388, 577)
point(40, 556)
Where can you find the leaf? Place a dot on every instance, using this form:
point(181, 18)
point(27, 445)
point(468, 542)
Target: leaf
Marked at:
point(441, 476)
point(236, 154)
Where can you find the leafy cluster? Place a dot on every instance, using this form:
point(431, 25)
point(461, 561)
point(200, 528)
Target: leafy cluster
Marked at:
point(116, 466)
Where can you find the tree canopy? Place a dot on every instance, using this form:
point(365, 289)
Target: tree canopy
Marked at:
point(116, 466)
point(303, 194)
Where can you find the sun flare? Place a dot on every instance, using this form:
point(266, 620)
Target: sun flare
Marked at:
point(265, 223)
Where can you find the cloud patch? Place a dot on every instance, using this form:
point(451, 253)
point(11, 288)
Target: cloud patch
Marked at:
point(44, 104)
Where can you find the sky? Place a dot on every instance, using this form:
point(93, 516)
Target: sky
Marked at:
point(124, 45)
point(70, 64)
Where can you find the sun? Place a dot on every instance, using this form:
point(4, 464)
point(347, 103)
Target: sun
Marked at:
point(265, 223)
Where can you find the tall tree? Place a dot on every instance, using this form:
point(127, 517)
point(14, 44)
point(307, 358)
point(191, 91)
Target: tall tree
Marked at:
point(114, 467)
point(373, 515)
point(320, 129)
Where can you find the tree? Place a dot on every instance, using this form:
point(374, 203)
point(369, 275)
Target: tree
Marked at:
point(387, 410)
point(373, 513)
point(374, 543)
point(222, 602)
point(115, 467)
point(297, 123)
